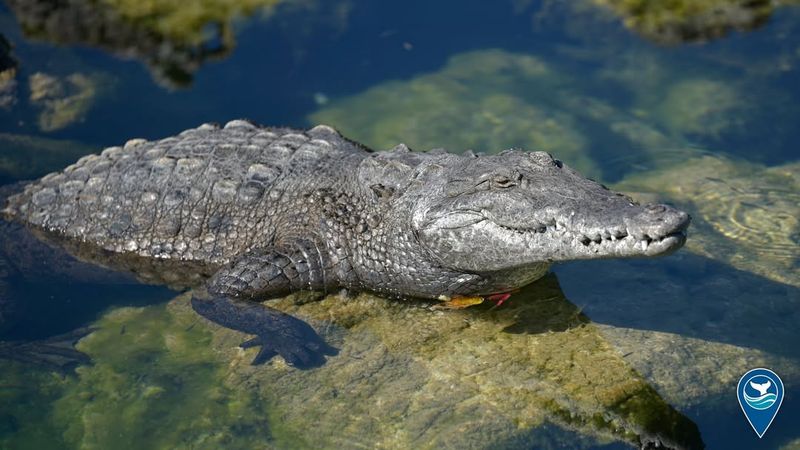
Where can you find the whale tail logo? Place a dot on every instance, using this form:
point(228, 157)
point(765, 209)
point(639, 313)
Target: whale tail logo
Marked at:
point(761, 388)
point(760, 393)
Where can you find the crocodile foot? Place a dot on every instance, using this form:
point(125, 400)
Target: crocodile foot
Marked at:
point(277, 333)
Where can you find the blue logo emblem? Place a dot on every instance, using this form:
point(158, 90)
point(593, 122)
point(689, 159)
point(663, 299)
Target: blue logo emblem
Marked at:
point(760, 393)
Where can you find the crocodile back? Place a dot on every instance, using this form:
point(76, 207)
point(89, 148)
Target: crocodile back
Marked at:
point(206, 194)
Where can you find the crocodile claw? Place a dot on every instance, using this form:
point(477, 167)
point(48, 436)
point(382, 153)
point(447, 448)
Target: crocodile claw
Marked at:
point(499, 299)
point(277, 333)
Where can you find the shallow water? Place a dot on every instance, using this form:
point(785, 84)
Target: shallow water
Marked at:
point(600, 355)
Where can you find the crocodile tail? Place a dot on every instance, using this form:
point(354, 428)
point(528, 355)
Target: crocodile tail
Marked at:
point(56, 353)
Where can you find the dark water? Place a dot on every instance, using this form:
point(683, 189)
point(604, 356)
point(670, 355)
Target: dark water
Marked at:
point(704, 117)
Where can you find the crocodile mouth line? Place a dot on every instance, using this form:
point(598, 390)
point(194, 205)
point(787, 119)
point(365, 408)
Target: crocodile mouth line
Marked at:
point(592, 243)
point(598, 240)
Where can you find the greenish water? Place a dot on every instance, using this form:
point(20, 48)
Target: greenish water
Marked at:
point(695, 105)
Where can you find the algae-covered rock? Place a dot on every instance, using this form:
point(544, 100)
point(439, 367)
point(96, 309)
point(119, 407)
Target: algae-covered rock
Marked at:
point(673, 103)
point(492, 99)
point(156, 382)
point(745, 214)
point(677, 21)
point(63, 101)
point(484, 100)
point(173, 37)
point(26, 394)
point(410, 377)
point(793, 445)
point(702, 107)
point(27, 157)
point(406, 376)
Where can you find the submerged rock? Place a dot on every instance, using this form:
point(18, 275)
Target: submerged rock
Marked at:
point(155, 383)
point(746, 214)
point(490, 100)
point(690, 325)
point(702, 108)
point(406, 377)
point(486, 101)
point(676, 103)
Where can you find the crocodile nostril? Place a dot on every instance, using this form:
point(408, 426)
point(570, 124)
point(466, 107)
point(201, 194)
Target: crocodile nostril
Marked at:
point(655, 209)
point(543, 159)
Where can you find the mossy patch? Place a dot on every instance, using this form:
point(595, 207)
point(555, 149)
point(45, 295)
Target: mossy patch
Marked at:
point(26, 394)
point(155, 383)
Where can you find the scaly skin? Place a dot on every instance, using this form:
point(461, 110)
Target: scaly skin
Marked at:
point(270, 211)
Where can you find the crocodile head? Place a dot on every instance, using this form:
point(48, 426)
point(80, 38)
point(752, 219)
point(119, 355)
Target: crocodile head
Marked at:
point(521, 209)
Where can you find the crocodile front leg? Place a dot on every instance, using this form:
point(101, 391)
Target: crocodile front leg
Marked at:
point(261, 275)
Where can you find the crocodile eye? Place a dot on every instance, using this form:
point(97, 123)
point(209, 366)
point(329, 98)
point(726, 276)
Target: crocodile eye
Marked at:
point(503, 182)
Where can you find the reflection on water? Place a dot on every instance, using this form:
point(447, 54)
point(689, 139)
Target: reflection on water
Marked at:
point(691, 20)
point(28, 157)
point(62, 101)
point(8, 74)
point(652, 347)
point(173, 37)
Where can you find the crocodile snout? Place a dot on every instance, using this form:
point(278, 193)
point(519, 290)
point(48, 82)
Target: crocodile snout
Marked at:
point(658, 221)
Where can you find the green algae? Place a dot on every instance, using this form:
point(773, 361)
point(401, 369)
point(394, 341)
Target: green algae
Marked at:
point(25, 157)
point(155, 383)
point(26, 394)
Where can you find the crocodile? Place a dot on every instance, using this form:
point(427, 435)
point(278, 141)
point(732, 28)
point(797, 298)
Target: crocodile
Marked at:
point(244, 213)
